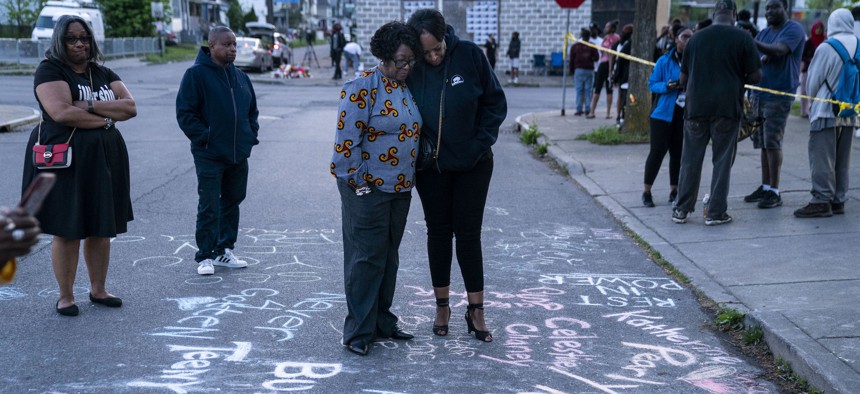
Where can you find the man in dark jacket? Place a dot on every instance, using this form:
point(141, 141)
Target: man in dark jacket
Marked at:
point(217, 110)
point(337, 43)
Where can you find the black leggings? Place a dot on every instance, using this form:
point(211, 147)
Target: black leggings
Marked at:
point(453, 205)
point(665, 137)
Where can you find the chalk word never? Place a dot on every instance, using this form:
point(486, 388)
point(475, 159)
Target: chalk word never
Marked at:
point(196, 361)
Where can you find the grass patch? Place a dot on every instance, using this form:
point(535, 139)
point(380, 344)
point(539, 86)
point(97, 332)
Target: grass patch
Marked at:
point(530, 136)
point(753, 336)
point(541, 149)
point(784, 367)
point(176, 53)
point(609, 135)
point(730, 319)
point(795, 108)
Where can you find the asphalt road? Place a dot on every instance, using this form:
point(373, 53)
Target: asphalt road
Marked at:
point(574, 304)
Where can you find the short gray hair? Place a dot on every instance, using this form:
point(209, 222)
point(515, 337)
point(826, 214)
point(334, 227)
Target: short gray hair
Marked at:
point(57, 48)
point(217, 31)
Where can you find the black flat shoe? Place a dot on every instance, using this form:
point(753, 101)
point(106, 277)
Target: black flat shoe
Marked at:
point(359, 349)
point(71, 310)
point(113, 302)
point(398, 333)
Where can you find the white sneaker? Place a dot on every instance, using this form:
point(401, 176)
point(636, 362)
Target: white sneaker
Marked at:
point(516, 80)
point(205, 267)
point(229, 260)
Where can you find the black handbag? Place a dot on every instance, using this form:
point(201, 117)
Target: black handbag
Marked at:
point(428, 152)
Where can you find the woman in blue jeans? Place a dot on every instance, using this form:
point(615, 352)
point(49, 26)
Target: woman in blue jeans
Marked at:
point(667, 118)
point(456, 85)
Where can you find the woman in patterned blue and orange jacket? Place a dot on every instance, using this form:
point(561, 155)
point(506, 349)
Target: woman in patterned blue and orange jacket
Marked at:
point(374, 163)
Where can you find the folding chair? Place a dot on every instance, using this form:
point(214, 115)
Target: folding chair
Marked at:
point(539, 65)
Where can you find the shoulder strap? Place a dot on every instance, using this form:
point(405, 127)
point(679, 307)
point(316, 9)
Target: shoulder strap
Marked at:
point(840, 49)
point(39, 135)
point(441, 106)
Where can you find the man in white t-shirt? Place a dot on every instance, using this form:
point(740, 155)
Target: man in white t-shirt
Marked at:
point(352, 52)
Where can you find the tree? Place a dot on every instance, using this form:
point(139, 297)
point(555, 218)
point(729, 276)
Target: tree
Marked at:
point(235, 16)
point(131, 18)
point(829, 5)
point(22, 13)
point(251, 16)
point(637, 112)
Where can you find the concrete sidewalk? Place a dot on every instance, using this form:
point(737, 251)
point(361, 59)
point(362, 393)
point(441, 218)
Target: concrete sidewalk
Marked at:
point(799, 279)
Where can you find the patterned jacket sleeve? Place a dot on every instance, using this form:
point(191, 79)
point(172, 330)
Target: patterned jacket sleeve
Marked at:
point(353, 114)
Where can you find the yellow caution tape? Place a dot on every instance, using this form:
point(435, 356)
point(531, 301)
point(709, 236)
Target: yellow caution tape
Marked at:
point(842, 105)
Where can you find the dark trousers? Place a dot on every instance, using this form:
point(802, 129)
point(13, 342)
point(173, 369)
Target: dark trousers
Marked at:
point(453, 205)
point(373, 226)
point(665, 137)
point(221, 187)
point(335, 58)
point(723, 135)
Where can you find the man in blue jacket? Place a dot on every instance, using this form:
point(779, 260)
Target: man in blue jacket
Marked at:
point(217, 110)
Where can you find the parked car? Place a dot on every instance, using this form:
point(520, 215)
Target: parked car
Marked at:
point(251, 53)
point(169, 37)
point(276, 43)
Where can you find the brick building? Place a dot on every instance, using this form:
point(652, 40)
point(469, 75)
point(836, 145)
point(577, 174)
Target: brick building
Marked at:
point(540, 23)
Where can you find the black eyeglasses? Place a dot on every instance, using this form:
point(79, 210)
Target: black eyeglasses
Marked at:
point(72, 40)
point(401, 64)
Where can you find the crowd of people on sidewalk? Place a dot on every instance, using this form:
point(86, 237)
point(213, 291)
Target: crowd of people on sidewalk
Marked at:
point(698, 87)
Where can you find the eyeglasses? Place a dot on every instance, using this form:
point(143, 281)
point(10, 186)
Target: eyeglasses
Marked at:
point(72, 40)
point(401, 64)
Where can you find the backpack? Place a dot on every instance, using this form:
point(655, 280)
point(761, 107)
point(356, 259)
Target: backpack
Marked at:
point(848, 87)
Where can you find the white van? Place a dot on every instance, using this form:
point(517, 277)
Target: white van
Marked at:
point(52, 12)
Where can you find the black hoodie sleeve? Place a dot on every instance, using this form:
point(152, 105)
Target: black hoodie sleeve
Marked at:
point(492, 105)
point(189, 104)
point(253, 112)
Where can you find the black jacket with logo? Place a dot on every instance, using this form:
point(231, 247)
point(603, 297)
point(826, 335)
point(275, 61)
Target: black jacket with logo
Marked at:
point(474, 107)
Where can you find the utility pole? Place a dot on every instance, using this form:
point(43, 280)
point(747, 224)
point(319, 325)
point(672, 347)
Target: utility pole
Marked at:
point(270, 11)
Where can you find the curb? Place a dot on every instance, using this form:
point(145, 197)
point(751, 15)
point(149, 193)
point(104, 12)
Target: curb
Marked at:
point(819, 366)
point(14, 123)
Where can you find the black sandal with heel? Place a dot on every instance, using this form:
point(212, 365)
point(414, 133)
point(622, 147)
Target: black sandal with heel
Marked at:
point(483, 336)
point(442, 329)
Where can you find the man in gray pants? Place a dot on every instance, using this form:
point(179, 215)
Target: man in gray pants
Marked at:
point(829, 136)
point(717, 62)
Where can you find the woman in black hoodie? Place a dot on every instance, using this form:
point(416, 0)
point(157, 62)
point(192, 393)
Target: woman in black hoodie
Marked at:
point(456, 86)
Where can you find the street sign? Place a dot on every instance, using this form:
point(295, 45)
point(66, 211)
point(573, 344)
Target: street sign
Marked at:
point(569, 3)
point(157, 9)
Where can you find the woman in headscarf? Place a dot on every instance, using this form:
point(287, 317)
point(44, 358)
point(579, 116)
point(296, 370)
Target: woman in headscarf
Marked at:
point(816, 37)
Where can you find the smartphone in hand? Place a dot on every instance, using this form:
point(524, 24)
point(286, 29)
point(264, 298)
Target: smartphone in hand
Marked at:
point(35, 194)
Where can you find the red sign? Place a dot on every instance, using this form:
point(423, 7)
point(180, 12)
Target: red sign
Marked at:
point(569, 3)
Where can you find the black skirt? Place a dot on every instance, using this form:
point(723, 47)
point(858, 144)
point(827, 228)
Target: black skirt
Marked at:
point(92, 198)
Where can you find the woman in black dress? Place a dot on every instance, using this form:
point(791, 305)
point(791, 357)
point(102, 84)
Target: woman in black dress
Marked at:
point(91, 200)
